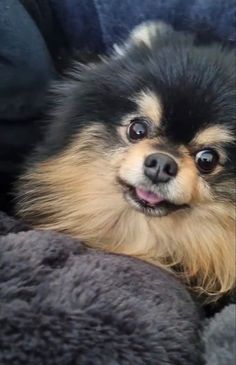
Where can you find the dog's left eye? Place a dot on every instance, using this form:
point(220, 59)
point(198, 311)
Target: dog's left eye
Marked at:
point(206, 160)
point(137, 129)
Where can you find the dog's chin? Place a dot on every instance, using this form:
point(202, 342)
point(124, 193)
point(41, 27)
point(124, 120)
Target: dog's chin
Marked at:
point(148, 202)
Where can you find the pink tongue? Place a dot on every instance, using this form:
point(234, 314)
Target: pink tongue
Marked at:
point(148, 196)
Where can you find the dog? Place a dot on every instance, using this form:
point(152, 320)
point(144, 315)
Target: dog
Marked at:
point(139, 157)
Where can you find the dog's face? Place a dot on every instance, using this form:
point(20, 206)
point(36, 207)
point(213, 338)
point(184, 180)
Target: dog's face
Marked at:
point(140, 158)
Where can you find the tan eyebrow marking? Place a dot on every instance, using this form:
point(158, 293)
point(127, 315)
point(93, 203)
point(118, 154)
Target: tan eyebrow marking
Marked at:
point(149, 105)
point(213, 135)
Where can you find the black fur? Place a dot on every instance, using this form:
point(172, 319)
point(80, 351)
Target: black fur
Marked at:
point(196, 85)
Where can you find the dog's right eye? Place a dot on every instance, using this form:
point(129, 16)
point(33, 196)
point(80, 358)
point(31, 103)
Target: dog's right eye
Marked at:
point(137, 129)
point(206, 160)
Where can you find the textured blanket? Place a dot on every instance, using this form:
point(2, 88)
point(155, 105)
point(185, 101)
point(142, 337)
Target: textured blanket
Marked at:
point(99, 24)
point(63, 303)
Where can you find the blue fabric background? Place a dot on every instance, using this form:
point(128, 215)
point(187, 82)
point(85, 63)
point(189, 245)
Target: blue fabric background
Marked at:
point(25, 64)
point(99, 24)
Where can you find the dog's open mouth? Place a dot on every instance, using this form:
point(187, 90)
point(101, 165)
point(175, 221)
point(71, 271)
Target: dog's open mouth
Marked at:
point(148, 202)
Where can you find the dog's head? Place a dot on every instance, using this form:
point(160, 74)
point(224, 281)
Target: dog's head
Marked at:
point(140, 157)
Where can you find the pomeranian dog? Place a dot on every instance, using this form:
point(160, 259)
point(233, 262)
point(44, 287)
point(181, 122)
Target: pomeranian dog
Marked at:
point(139, 157)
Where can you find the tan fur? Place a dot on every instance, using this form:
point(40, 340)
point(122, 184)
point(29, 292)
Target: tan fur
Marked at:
point(213, 135)
point(78, 191)
point(149, 106)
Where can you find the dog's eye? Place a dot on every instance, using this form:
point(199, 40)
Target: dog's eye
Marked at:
point(206, 160)
point(138, 129)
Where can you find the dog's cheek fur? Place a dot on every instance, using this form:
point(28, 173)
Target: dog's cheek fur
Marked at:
point(76, 193)
point(186, 186)
point(224, 187)
point(73, 191)
point(204, 245)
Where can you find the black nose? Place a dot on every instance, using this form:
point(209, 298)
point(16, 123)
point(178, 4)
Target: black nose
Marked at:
point(160, 168)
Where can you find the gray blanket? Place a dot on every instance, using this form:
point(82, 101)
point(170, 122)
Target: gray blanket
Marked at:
point(63, 303)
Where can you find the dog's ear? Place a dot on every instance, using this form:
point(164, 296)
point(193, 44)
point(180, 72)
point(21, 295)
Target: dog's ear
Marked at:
point(144, 35)
point(147, 31)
